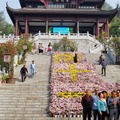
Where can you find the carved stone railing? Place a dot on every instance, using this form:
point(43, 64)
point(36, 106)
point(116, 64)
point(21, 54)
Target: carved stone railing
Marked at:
point(4, 38)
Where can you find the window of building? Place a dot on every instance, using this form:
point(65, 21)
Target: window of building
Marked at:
point(30, 6)
point(86, 7)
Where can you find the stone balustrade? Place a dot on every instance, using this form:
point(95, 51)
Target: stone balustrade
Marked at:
point(4, 38)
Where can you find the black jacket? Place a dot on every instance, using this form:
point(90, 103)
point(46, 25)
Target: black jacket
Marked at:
point(87, 103)
point(23, 70)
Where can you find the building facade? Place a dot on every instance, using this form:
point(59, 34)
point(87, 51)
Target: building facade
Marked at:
point(67, 15)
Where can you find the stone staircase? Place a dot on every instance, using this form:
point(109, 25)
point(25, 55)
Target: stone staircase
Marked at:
point(29, 100)
point(112, 71)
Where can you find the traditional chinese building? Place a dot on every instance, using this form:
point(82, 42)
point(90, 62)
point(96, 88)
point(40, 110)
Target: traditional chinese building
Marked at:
point(68, 15)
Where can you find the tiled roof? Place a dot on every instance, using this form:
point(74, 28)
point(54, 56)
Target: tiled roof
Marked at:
point(61, 11)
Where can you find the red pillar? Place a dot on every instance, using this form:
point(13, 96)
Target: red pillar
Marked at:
point(97, 28)
point(107, 27)
point(78, 24)
point(26, 26)
point(46, 26)
point(16, 27)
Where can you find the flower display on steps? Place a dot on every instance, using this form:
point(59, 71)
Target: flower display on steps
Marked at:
point(69, 80)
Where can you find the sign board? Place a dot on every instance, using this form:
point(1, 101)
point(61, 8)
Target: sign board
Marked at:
point(7, 57)
point(60, 29)
point(24, 46)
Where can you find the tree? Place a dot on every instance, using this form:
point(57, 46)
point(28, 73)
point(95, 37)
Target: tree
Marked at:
point(5, 27)
point(107, 6)
point(103, 40)
point(115, 44)
point(11, 48)
point(21, 42)
point(2, 20)
point(65, 45)
point(115, 25)
point(8, 29)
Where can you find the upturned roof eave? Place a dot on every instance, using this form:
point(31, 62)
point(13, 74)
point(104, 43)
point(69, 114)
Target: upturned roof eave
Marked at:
point(59, 11)
point(22, 3)
point(10, 14)
point(13, 12)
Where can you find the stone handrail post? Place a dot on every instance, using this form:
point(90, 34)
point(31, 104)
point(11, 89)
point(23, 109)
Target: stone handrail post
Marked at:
point(39, 34)
point(87, 34)
point(78, 34)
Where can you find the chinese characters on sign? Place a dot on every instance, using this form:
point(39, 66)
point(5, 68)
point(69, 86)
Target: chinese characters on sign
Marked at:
point(7, 57)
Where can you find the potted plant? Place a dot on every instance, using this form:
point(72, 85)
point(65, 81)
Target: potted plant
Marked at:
point(25, 45)
point(9, 48)
point(4, 77)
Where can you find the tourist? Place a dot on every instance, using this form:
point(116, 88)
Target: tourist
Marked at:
point(72, 50)
point(40, 48)
point(106, 98)
point(113, 102)
point(50, 49)
point(102, 107)
point(100, 59)
point(32, 67)
point(75, 58)
point(23, 72)
point(87, 105)
point(96, 45)
point(118, 95)
point(104, 64)
point(94, 104)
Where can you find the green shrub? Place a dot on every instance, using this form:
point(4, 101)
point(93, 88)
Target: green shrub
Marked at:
point(4, 77)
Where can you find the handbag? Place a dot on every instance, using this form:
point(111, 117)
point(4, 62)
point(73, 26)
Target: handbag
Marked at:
point(99, 60)
point(49, 49)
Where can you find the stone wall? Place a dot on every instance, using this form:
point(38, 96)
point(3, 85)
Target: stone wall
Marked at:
point(112, 54)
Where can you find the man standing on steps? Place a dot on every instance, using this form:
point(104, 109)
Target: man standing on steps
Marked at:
point(113, 104)
point(87, 105)
point(94, 105)
point(32, 67)
point(23, 72)
point(100, 59)
point(104, 64)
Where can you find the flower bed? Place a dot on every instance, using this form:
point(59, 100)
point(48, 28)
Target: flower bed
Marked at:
point(69, 80)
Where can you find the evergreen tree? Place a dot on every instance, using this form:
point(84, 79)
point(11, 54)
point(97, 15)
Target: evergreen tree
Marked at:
point(5, 27)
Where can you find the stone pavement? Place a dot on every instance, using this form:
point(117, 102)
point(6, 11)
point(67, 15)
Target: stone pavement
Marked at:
point(112, 71)
point(29, 100)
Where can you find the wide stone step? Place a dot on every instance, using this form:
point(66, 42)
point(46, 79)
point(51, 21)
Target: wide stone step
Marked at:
point(36, 118)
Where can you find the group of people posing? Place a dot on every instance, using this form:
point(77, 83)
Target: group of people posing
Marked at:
point(103, 107)
point(41, 49)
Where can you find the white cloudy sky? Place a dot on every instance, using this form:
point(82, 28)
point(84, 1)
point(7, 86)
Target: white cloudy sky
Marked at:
point(15, 4)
